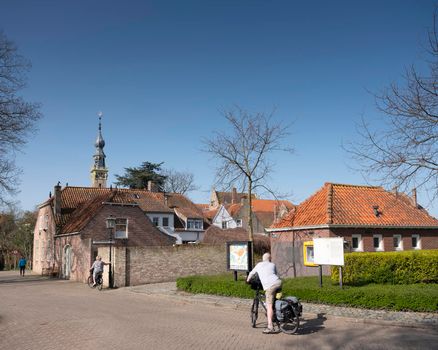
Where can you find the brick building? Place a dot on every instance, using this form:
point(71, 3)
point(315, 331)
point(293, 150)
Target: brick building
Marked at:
point(368, 218)
point(71, 226)
point(230, 210)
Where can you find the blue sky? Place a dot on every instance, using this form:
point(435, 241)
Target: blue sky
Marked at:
point(162, 70)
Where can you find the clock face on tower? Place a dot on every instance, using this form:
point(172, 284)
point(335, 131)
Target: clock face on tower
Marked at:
point(100, 176)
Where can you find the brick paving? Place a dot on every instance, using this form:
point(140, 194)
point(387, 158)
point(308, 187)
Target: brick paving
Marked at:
point(38, 313)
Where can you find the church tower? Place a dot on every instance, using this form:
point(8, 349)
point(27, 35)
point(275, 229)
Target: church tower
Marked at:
point(99, 173)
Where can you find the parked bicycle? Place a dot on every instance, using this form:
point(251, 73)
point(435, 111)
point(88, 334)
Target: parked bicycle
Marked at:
point(287, 311)
point(99, 281)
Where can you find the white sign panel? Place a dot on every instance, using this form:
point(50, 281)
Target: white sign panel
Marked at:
point(329, 251)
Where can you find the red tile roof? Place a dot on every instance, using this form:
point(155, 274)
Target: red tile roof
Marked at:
point(87, 210)
point(269, 205)
point(210, 214)
point(180, 203)
point(72, 197)
point(75, 199)
point(350, 205)
point(203, 206)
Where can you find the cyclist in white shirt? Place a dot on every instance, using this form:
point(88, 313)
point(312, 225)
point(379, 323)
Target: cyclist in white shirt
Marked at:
point(271, 283)
point(97, 268)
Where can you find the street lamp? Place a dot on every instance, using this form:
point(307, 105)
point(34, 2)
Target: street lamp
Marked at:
point(110, 225)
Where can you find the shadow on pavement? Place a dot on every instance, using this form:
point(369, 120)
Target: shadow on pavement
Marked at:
point(313, 325)
point(9, 279)
point(307, 326)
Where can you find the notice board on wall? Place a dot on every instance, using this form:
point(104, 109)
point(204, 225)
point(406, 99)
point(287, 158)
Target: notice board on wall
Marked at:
point(329, 251)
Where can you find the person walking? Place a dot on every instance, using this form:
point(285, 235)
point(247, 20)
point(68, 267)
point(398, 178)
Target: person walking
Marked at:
point(22, 265)
point(271, 283)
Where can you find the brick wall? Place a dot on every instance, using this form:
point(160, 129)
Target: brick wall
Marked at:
point(141, 231)
point(43, 241)
point(140, 265)
point(287, 252)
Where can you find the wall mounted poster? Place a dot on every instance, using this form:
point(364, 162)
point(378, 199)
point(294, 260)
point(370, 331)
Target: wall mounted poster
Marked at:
point(239, 256)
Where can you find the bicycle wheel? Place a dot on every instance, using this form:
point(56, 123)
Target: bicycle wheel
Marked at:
point(99, 283)
point(90, 281)
point(290, 323)
point(254, 312)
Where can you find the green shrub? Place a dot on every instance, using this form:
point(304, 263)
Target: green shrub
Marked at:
point(389, 268)
point(415, 297)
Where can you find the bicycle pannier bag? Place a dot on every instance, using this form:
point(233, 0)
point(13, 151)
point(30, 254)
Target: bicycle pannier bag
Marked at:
point(255, 282)
point(280, 306)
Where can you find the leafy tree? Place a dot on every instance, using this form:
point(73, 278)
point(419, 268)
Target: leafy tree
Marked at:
point(243, 153)
point(140, 176)
point(17, 117)
point(23, 234)
point(16, 235)
point(402, 151)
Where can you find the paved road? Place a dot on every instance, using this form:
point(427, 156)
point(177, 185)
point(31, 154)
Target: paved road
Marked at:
point(37, 313)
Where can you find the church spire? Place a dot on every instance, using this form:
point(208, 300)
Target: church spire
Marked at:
point(99, 172)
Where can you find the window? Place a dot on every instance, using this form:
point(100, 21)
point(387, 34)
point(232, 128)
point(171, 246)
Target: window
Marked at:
point(378, 242)
point(166, 222)
point(155, 220)
point(356, 243)
point(398, 242)
point(239, 222)
point(121, 228)
point(416, 242)
point(224, 225)
point(194, 224)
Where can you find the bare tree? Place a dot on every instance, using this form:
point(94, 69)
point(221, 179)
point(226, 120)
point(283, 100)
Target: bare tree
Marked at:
point(17, 117)
point(243, 152)
point(403, 151)
point(179, 181)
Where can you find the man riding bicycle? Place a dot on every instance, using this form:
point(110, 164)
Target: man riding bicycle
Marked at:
point(97, 268)
point(271, 283)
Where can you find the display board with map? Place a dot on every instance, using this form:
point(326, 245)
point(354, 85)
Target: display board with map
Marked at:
point(239, 256)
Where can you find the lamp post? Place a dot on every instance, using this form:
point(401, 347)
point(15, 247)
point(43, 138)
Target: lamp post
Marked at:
point(110, 225)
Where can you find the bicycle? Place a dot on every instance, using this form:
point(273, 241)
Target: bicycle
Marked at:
point(99, 281)
point(286, 314)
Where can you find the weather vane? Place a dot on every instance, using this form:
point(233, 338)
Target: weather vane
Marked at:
point(100, 114)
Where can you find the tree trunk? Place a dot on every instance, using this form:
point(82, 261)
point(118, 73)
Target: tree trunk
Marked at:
point(250, 231)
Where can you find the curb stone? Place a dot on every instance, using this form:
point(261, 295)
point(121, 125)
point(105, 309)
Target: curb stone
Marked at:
point(390, 318)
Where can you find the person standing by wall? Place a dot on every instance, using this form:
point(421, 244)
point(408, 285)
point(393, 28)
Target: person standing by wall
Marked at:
point(22, 265)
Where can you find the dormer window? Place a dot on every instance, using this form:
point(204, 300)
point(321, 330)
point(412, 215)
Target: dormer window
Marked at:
point(376, 211)
point(121, 228)
point(194, 224)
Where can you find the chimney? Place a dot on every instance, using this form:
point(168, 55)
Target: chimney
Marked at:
point(57, 198)
point(234, 196)
point(414, 197)
point(152, 187)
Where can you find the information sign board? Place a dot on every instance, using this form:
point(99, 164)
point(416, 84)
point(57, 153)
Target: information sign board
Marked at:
point(329, 251)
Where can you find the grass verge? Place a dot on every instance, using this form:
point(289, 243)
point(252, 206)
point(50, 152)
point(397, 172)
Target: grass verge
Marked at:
point(411, 297)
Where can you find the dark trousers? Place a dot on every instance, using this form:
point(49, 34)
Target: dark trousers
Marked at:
point(22, 268)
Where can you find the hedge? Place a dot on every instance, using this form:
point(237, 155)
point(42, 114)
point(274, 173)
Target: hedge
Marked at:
point(406, 267)
point(414, 297)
